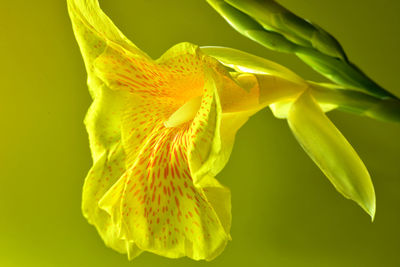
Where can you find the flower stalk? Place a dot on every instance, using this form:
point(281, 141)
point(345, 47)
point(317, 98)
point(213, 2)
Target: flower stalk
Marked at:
point(358, 103)
point(276, 28)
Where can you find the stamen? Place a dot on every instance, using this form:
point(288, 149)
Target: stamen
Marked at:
point(185, 113)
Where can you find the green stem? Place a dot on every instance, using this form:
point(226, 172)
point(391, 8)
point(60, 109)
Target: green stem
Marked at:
point(357, 102)
point(276, 28)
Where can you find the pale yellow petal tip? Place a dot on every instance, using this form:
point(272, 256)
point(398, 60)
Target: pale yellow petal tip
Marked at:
point(371, 210)
point(369, 206)
point(372, 214)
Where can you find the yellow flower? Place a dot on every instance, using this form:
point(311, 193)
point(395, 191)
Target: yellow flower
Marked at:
point(158, 135)
point(160, 130)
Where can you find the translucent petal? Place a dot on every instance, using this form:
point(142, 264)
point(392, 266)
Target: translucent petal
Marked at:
point(106, 171)
point(281, 109)
point(94, 32)
point(103, 120)
point(245, 62)
point(333, 154)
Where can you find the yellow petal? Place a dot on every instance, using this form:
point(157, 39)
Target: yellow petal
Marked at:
point(103, 120)
point(248, 63)
point(94, 31)
point(239, 99)
point(180, 77)
point(156, 203)
point(333, 154)
point(238, 93)
point(106, 171)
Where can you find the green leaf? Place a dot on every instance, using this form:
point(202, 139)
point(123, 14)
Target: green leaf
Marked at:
point(333, 154)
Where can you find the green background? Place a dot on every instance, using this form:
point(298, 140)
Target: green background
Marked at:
point(285, 212)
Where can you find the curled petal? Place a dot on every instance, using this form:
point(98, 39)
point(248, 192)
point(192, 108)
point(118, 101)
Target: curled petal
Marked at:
point(94, 31)
point(333, 154)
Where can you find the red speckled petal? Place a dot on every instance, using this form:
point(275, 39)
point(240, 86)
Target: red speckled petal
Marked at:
point(94, 32)
point(180, 77)
point(162, 210)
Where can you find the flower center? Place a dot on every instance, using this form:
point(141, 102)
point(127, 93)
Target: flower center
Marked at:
point(185, 113)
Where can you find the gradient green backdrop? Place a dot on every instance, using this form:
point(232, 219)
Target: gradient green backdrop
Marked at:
point(285, 212)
